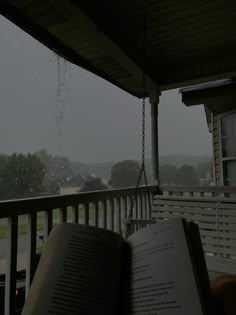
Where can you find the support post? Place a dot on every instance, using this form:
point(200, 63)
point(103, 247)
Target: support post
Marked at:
point(154, 101)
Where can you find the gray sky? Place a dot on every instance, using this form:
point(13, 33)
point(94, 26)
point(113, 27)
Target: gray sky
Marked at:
point(99, 122)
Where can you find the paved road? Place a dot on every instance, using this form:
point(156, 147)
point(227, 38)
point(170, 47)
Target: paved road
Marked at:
point(22, 243)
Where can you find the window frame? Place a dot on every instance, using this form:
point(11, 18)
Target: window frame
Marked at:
point(224, 159)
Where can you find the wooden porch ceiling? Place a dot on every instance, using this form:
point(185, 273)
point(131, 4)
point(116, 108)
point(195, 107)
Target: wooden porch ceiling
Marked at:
point(188, 42)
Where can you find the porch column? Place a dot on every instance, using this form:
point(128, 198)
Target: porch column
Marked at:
point(154, 101)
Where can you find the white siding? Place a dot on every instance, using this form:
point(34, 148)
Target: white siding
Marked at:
point(217, 150)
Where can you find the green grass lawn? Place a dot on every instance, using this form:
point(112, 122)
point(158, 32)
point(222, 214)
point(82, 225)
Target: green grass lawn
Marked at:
point(22, 229)
point(23, 225)
point(23, 221)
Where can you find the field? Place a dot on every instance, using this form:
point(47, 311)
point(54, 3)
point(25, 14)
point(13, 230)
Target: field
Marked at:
point(23, 220)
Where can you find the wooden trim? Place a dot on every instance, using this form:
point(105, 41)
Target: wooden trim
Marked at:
point(220, 116)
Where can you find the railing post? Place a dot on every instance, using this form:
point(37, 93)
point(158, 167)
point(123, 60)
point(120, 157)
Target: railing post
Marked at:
point(96, 223)
point(63, 214)
point(142, 205)
point(126, 204)
point(119, 230)
point(86, 214)
point(145, 201)
point(47, 223)
point(31, 250)
point(123, 214)
point(150, 209)
point(136, 207)
point(112, 213)
point(75, 216)
point(11, 265)
point(105, 214)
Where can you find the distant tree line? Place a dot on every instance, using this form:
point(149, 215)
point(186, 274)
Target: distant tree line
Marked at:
point(20, 176)
point(57, 171)
point(26, 175)
point(29, 175)
point(186, 174)
point(125, 174)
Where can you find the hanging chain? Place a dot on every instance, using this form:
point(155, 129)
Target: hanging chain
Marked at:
point(142, 172)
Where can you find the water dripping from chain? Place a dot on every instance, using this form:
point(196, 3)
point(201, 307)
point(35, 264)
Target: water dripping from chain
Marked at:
point(63, 102)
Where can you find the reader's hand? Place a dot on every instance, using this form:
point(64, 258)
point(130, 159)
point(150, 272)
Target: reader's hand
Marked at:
point(224, 293)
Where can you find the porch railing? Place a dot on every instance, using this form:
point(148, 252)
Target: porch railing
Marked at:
point(199, 191)
point(213, 207)
point(105, 209)
point(214, 210)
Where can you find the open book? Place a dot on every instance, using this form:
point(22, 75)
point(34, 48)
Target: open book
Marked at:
point(159, 270)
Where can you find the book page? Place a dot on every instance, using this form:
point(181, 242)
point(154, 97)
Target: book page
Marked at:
point(79, 273)
point(162, 281)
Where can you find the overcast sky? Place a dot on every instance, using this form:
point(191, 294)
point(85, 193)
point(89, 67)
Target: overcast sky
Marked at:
point(48, 103)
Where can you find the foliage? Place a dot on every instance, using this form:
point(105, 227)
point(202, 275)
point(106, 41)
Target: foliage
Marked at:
point(179, 160)
point(204, 170)
point(51, 185)
point(168, 174)
point(102, 170)
point(93, 184)
point(186, 175)
point(57, 166)
point(124, 174)
point(75, 181)
point(58, 170)
point(20, 176)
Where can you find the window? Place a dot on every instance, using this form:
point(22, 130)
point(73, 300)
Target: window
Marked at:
point(229, 172)
point(228, 140)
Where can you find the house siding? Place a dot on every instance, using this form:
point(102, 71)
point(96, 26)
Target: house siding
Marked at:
point(217, 151)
